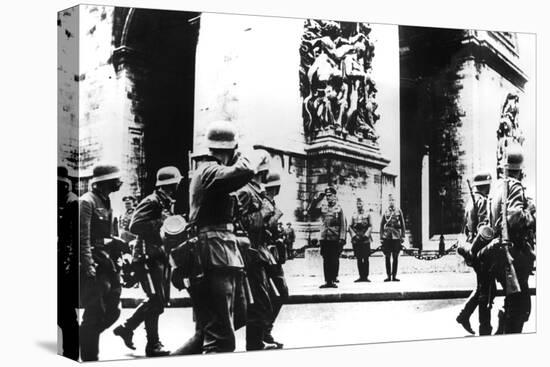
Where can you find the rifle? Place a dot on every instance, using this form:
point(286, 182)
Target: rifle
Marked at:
point(511, 282)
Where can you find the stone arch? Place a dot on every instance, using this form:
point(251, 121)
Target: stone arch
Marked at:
point(154, 57)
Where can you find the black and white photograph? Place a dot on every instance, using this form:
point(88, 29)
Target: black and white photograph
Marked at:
point(231, 183)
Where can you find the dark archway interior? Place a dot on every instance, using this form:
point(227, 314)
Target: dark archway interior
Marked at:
point(163, 71)
point(429, 123)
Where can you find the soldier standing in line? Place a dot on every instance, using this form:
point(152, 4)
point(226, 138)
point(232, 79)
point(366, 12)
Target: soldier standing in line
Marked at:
point(513, 234)
point(275, 272)
point(151, 258)
point(392, 234)
point(289, 238)
point(215, 294)
point(476, 215)
point(126, 217)
point(333, 233)
point(253, 216)
point(99, 272)
point(67, 263)
point(360, 230)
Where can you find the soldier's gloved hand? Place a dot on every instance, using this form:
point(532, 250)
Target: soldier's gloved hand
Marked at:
point(90, 271)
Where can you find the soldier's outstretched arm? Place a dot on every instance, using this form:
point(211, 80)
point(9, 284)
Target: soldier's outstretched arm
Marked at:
point(85, 221)
point(146, 218)
point(228, 178)
point(402, 219)
point(343, 226)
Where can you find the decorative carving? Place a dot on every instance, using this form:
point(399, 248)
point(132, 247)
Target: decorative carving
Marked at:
point(335, 79)
point(508, 130)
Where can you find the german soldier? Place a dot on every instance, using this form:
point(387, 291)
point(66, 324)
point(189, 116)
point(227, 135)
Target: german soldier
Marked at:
point(333, 233)
point(211, 205)
point(289, 238)
point(100, 273)
point(392, 234)
point(151, 257)
point(253, 216)
point(360, 230)
point(67, 263)
point(279, 292)
point(475, 217)
point(511, 216)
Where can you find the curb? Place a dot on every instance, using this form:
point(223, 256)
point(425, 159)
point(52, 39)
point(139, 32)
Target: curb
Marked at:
point(296, 299)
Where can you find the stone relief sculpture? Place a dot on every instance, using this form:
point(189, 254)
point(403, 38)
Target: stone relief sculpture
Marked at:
point(508, 129)
point(335, 79)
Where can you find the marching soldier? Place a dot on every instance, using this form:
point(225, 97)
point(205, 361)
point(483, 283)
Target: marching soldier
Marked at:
point(151, 257)
point(360, 230)
point(392, 234)
point(476, 215)
point(99, 252)
point(215, 294)
point(67, 263)
point(333, 233)
point(275, 272)
point(513, 232)
point(253, 217)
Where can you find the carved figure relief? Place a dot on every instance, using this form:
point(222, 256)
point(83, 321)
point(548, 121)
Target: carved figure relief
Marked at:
point(335, 79)
point(508, 130)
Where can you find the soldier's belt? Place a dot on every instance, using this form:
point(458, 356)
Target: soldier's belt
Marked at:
point(218, 227)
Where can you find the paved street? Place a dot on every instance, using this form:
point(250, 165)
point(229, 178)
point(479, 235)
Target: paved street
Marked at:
point(325, 324)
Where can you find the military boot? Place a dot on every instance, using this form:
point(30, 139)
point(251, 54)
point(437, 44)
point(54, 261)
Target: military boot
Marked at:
point(126, 335)
point(465, 322)
point(156, 349)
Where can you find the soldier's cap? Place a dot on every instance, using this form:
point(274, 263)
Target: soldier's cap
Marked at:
point(221, 135)
point(168, 176)
point(273, 179)
point(514, 158)
point(359, 200)
point(105, 172)
point(330, 190)
point(63, 175)
point(482, 178)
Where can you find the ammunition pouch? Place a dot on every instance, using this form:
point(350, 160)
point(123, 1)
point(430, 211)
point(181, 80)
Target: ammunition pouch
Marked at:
point(186, 261)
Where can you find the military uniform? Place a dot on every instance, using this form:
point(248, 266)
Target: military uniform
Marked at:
point(483, 295)
point(361, 226)
point(275, 272)
point(100, 295)
point(67, 272)
point(392, 233)
point(517, 306)
point(332, 238)
point(216, 295)
point(257, 258)
point(289, 238)
point(152, 260)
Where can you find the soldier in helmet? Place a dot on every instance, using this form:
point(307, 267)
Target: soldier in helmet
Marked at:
point(333, 233)
point(392, 234)
point(99, 272)
point(67, 263)
point(211, 213)
point(151, 258)
point(275, 272)
point(253, 216)
point(360, 230)
point(519, 219)
point(477, 215)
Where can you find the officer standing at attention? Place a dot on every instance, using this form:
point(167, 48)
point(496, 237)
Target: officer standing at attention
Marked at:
point(392, 234)
point(211, 213)
point(100, 275)
point(520, 220)
point(333, 233)
point(476, 215)
point(67, 263)
point(152, 259)
point(360, 231)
